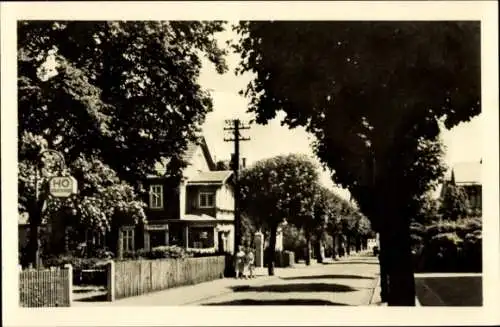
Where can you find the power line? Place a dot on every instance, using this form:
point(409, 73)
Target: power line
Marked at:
point(235, 126)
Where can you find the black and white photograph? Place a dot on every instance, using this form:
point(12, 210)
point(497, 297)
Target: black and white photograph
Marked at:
point(309, 161)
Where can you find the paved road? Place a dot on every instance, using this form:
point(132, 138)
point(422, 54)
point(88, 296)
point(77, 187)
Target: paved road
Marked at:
point(349, 281)
point(346, 282)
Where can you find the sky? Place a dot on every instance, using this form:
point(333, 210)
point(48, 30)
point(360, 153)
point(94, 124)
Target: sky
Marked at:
point(462, 143)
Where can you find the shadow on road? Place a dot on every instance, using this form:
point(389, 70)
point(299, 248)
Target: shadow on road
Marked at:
point(284, 288)
point(277, 302)
point(93, 298)
point(359, 262)
point(327, 277)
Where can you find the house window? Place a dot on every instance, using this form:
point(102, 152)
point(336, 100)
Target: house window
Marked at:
point(201, 237)
point(156, 196)
point(128, 239)
point(207, 200)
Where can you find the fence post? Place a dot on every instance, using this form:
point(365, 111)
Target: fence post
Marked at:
point(110, 285)
point(70, 283)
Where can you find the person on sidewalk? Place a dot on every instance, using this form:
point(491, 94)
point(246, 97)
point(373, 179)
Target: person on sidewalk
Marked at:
point(240, 262)
point(250, 261)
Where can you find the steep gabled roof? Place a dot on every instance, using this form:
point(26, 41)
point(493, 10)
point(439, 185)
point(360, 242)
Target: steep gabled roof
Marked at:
point(466, 173)
point(191, 150)
point(188, 156)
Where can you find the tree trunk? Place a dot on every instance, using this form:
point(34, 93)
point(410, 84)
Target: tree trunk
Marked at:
point(308, 249)
point(33, 249)
point(340, 245)
point(319, 257)
point(272, 250)
point(334, 246)
point(358, 243)
point(399, 264)
point(382, 258)
point(348, 245)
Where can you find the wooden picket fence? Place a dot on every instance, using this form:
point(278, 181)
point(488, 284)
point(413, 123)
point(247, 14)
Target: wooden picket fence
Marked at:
point(45, 288)
point(136, 277)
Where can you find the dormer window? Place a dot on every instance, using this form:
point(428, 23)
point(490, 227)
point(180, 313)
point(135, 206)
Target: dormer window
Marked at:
point(156, 196)
point(207, 200)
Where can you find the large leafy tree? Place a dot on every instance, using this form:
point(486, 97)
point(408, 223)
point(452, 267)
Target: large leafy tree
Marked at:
point(275, 189)
point(112, 97)
point(322, 208)
point(372, 93)
point(427, 211)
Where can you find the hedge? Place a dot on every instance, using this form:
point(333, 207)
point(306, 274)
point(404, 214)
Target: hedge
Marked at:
point(448, 246)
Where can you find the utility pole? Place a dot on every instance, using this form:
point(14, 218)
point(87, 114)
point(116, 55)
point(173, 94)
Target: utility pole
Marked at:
point(235, 126)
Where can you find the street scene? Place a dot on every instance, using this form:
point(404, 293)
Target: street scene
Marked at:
point(249, 163)
point(351, 281)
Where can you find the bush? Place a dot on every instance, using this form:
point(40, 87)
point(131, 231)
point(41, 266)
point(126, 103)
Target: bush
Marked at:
point(449, 246)
point(159, 252)
point(201, 252)
point(173, 252)
point(76, 262)
point(294, 240)
point(169, 252)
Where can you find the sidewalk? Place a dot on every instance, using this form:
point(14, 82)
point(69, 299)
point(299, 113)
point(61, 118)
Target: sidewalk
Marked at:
point(185, 295)
point(205, 292)
point(376, 300)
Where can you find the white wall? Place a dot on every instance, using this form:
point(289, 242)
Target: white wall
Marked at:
point(225, 198)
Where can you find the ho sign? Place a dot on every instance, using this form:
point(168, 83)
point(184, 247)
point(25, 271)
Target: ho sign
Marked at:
point(62, 186)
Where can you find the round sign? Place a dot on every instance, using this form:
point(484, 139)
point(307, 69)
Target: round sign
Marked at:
point(62, 186)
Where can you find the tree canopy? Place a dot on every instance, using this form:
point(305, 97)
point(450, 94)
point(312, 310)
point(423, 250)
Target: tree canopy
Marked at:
point(277, 188)
point(112, 97)
point(455, 203)
point(123, 91)
point(373, 94)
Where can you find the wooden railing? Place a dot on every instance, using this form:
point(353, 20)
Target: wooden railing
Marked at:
point(136, 277)
point(45, 288)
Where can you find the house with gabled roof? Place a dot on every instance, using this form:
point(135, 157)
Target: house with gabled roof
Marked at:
point(197, 213)
point(467, 176)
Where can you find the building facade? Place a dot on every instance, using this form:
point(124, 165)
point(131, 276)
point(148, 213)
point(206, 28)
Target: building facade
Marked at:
point(197, 213)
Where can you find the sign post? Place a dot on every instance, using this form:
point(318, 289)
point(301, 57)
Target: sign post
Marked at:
point(62, 186)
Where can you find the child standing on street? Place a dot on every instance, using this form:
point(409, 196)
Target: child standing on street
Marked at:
point(240, 262)
point(250, 259)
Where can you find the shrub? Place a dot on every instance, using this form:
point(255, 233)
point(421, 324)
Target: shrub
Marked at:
point(201, 252)
point(76, 262)
point(173, 252)
point(450, 246)
point(294, 240)
point(169, 252)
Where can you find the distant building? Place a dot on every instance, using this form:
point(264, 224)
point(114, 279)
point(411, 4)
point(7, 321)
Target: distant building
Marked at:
point(466, 175)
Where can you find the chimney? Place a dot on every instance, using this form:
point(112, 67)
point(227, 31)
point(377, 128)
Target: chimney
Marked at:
point(243, 163)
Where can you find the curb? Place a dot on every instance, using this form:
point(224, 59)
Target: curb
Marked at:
point(375, 294)
point(375, 297)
